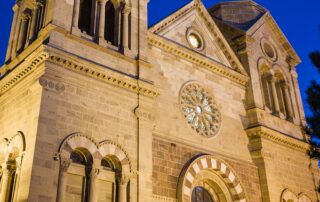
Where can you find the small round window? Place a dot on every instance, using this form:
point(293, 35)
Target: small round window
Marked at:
point(194, 39)
point(268, 50)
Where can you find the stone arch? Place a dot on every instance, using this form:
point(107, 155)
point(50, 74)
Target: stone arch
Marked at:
point(304, 198)
point(279, 74)
point(264, 66)
point(78, 140)
point(288, 196)
point(110, 148)
point(16, 146)
point(208, 163)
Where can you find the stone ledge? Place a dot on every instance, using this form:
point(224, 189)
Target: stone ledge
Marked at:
point(47, 54)
point(279, 138)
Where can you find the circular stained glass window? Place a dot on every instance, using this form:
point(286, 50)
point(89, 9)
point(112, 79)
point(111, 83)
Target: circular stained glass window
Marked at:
point(200, 110)
point(194, 41)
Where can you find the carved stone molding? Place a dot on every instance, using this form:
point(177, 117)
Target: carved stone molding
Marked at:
point(274, 136)
point(196, 59)
point(144, 114)
point(125, 83)
point(18, 74)
point(64, 164)
point(51, 85)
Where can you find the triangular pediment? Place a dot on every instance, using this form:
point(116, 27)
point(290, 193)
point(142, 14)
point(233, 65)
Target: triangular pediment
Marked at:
point(275, 32)
point(195, 18)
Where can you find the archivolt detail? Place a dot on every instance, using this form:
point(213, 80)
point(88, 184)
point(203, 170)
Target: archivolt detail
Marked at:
point(209, 164)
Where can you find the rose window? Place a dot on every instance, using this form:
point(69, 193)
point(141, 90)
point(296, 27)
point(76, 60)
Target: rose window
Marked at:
point(200, 110)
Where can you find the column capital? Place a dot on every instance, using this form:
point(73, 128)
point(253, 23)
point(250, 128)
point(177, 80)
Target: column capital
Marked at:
point(26, 15)
point(16, 7)
point(37, 4)
point(64, 164)
point(94, 173)
point(125, 9)
point(293, 72)
point(123, 179)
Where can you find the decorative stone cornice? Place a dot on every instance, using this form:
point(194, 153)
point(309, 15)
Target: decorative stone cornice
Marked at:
point(144, 114)
point(95, 71)
point(279, 138)
point(107, 76)
point(171, 19)
point(197, 59)
point(23, 71)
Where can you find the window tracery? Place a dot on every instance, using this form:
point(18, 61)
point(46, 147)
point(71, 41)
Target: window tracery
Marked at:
point(200, 110)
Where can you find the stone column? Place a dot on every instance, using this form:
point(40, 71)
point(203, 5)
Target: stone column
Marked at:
point(23, 31)
point(93, 181)
point(287, 100)
point(7, 176)
point(13, 32)
point(123, 182)
point(76, 12)
point(125, 26)
point(102, 18)
point(64, 165)
point(34, 19)
point(297, 97)
point(275, 97)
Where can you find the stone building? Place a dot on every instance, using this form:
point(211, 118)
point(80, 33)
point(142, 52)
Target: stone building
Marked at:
point(204, 106)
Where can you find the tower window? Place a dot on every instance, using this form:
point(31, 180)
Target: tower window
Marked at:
point(85, 16)
point(109, 33)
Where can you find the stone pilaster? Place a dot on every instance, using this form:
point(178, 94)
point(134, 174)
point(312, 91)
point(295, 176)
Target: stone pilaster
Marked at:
point(102, 18)
point(7, 178)
point(125, 26)
point(75, 18)
point(123, 182)
point(93, 181)
point(275, 97)
point(145, 125)
point(25, 17)
point(13, 33)
point(34, 21)
point(297, 96)
point(64, 165)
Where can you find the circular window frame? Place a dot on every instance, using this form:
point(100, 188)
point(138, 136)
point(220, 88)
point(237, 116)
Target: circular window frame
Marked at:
point(193, 31)
point(213, 106)
point(263, 44)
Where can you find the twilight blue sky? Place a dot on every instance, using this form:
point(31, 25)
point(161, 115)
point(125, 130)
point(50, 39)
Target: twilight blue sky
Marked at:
point(299, 20)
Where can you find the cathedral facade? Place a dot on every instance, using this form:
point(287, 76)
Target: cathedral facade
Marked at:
point(204, 106)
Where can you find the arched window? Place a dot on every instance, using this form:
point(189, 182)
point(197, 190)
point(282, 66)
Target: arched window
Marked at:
point(112, 172)
point(13, 150)
point(200, 194)
point(85, 12)
point(283, 96)
point(110, 23)
point(267, 91)
point(78, 179)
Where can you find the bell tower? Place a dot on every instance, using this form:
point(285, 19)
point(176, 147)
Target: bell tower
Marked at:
point(57, 51)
